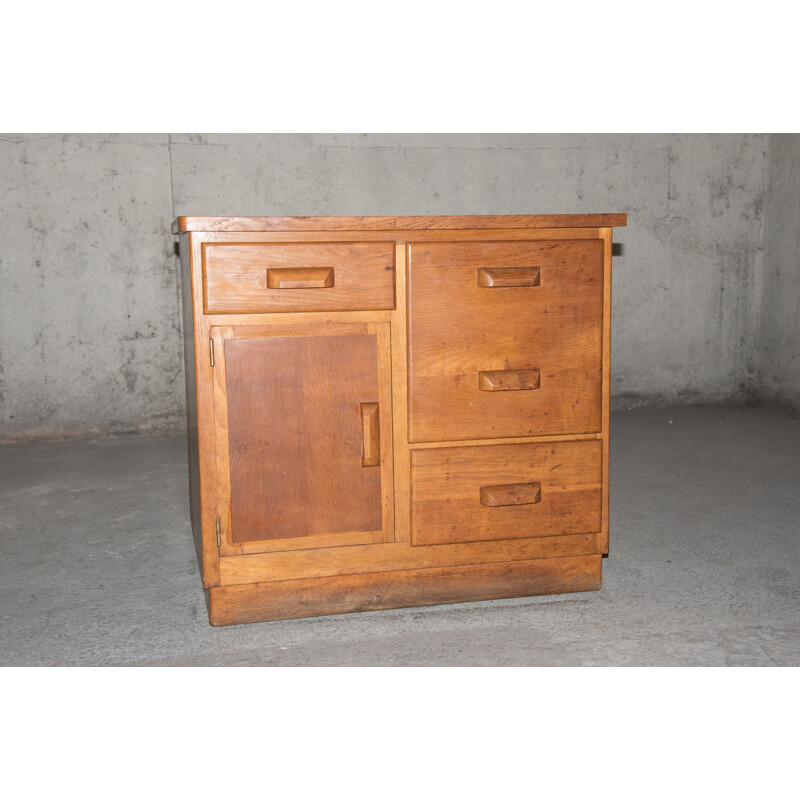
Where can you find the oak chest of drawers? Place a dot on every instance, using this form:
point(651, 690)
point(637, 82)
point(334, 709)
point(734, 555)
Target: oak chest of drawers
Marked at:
point(395, 411)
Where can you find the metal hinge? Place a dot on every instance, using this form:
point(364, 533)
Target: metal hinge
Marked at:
point(219, 537)
point(211, 351)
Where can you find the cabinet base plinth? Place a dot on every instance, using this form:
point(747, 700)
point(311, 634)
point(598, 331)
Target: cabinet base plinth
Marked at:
point(313, 597)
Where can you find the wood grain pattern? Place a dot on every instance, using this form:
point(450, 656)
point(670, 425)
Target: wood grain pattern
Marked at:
point(222, 482)
point(292, 319)
point(402, 454)
point(208, 475)
point(446, 482)
point(232, 605)
point(567, 437)
point(258, 224)
point(555, 328)
point(418, 235)
point(387, 556)
point(382, 331)
point(295, 436)
point(236, 280)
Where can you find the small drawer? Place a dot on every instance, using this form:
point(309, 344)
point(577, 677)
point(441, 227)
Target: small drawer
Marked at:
point(505, 338)
point(256, 278)
point(508, 491)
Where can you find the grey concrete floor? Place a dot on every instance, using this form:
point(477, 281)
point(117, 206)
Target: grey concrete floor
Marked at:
point(98, 565)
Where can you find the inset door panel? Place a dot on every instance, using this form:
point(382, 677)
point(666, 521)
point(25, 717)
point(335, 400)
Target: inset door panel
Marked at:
point(301, 450)
point(505, 338)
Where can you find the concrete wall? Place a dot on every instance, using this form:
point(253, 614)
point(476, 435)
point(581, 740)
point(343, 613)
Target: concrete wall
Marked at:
point(90, 327)
point(779, 343)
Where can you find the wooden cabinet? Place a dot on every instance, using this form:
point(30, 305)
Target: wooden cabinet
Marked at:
point(395, 411)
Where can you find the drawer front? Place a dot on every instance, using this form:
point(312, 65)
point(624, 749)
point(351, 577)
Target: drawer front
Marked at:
point(297, 276)
point(505, 339)
point(509, 491)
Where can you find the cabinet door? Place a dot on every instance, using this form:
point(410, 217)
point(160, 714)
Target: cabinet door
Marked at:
point(303, 416)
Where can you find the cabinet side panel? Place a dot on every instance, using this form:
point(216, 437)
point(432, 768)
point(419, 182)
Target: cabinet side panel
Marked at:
point(606, 234)
point(191, 395)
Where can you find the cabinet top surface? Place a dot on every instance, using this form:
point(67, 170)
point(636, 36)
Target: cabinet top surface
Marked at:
point(463, 222)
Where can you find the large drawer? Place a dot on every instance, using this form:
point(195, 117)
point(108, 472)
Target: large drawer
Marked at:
point(507, 491)
point(505, 338)
point(269, 277)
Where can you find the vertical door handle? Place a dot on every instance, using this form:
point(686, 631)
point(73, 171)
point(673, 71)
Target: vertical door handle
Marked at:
point(371, 432)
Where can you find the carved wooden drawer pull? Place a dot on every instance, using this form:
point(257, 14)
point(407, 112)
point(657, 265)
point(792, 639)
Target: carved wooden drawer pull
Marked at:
point(506, 277)
point(300, 278)
point(511, 494)
point(508, 380)
point(371, 428)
